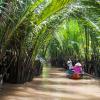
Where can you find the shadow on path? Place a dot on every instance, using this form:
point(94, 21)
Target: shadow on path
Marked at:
point(53, 87)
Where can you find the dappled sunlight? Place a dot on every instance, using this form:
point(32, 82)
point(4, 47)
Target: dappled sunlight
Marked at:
point(56, 87)
point(64, 80)
point(40, 43)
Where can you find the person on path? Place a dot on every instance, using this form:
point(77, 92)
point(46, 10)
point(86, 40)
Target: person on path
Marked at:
point(69, 64)
point(77, 71)
point(69, 71)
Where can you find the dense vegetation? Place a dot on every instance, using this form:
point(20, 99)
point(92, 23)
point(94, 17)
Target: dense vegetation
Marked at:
point(53, 29)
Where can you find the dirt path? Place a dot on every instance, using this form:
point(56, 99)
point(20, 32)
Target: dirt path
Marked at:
point(53, 86)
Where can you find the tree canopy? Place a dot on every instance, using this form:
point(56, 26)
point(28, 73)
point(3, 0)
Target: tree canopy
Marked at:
point(50, 28)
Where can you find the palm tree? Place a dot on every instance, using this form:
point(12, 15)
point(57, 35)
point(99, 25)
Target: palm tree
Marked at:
point(25, 25)
point(20, 21)
point(88, 20)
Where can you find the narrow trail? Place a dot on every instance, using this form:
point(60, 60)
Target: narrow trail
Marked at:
point(53, 86)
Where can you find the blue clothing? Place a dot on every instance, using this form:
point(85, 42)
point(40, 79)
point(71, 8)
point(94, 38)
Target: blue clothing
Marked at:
point(69, 72)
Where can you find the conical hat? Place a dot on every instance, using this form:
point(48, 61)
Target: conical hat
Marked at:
point(69, 62)
point(78, 64)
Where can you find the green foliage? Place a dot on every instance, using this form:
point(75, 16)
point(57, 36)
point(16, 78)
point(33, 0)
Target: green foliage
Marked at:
point(31, 27)
point(70, 39)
